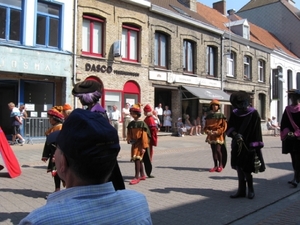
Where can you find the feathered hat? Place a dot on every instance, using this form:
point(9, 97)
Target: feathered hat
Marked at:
point(56, 112)
point(136, 108)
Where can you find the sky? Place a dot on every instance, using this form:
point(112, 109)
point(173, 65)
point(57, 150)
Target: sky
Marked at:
point(235, 4)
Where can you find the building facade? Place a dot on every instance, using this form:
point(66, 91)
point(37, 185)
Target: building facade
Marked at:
point(35, 55)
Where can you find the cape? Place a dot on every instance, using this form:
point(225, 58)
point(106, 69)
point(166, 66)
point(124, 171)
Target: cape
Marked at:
point(9, 158)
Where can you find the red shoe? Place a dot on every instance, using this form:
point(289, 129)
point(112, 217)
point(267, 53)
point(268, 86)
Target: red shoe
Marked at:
point(53, 172)
point(213, 169)
point(134, 181)
point(219, 169)
point(143, 178)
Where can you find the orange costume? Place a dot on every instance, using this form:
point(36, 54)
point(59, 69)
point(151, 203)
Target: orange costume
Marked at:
point(215, 128)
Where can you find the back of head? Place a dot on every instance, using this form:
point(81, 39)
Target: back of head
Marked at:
point(88, 91)
point(90, 145)
point(240, 99)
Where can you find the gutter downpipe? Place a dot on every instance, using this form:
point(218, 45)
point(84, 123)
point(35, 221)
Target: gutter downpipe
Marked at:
point(75, 48)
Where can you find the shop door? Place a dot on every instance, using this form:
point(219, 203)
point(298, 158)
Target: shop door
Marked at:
point(8, 93)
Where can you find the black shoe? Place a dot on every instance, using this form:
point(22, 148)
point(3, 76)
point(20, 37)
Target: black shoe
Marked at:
point(293, 183)
point(238, 195)
point(251, 194)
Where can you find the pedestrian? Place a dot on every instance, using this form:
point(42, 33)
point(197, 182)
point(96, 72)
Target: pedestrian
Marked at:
point(197, 123)
point(290, 133)
point(215, 128)
point(167, 119)
point(56, 119)
point(244, 127)
point(16, 122)
point(149, 120)
point(115, 117)
point(86, 153)
point(23, 116)
point(89, 93)
point(126, 119)
point(160, 113)
point(156, 119)
point(138, 136)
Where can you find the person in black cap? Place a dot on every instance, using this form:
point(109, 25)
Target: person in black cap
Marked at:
point(89, 93)
point(290, 133)
point(245, 130)
point(85, 156)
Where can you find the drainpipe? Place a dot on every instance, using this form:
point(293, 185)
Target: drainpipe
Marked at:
point(75, 48)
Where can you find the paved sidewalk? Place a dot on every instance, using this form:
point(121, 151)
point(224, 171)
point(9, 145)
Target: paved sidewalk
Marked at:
point(182, 192)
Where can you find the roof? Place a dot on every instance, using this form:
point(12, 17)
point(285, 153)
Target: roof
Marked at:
point(258, 35)
point(252, 4)
point(176, 7)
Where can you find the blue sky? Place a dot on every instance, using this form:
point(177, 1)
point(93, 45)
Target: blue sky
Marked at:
point(235, 4)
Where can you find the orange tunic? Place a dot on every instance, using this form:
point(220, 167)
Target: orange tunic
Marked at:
point(215, 127)
point(138, 137)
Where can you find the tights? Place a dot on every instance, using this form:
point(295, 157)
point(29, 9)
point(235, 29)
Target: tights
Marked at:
point(139, 169)
point(217, 154)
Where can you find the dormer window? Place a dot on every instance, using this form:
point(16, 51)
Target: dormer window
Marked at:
point(246, 32)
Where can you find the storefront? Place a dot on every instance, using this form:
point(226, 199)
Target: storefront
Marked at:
point(37, 79)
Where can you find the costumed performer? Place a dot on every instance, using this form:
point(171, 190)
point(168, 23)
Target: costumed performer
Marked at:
point(215, 127)
point(89, 93)
point(56, 119)
point(149, 120)
point(244, 127)
point(290, 133)
point(137, 135)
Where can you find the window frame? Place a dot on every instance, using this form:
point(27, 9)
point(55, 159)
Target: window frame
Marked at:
point(8, 8)
point(48, 17)
point(261, 67)
point(247, 76)
point(188, 59)
point(231, 57)
point(127, 48)
point(92, 21)
point(160, 54)
point(211, 60)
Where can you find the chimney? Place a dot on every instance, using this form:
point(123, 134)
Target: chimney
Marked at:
point(220, 7)
point(191, 4)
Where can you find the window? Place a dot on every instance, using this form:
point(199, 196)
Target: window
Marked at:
point(188, 56)
point(289, 79)
point(10, 20)
point(48, 25)
point(275, 82)
point(160, 47)
point(231, 64)
point(130, 43)
point(261, 70)
point(247, 68)
point(246, 32)
point(298, 80)
point(92, 36)
point(211, 58)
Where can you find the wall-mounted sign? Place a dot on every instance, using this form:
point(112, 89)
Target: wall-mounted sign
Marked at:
point(98, 68)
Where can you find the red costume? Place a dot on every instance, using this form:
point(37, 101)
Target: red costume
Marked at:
point(153, 128)
point(9, 158)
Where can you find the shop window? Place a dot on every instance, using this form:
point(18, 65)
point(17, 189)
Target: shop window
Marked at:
point(131, 93)
point(92, 36)
point(130, 43)
point(188, 56)
point(211, 60)
point(160, 48)
point(11, 20)
point(261, 70)
point(48, 25)
point(247, 68)
point(231, 64)
point(111, 99)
